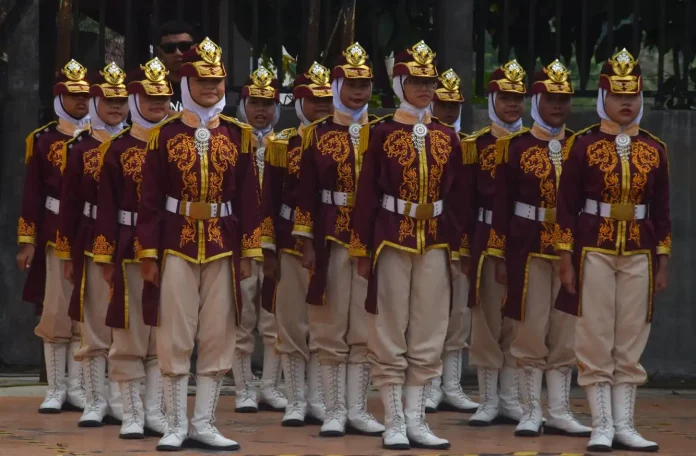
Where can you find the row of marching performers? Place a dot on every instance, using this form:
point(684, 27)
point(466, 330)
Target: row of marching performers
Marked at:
point(202, 216)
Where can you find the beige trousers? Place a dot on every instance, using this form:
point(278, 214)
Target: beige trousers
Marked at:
point(491, 335)
point(459, 326)
point(133, 346)
point(340, 325)
point(197, 303)
point(253, 314)
point(612, 332)
point(406, 336)
point(55, 326)
point(292, 316)
point(96, 336)
point(545, 338)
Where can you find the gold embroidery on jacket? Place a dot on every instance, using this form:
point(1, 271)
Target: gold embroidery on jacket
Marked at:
point(603, 154)
point(182, 150)
point(214, 233)
point(562, 237)
point(356, 243)
point(62, 244)
point(487, 159)
point(267, 229)
point(303, 218)
point(399, 144)
point(440, 149)
point(645, 158)
point(91, 161)
point(337, 144)
point(535, 160)
point(26, 229)
point(223, 155)
point(252, 242)
point(132, 161)
point(103, 247)
point(137, 247)
point(496, 241)
point(667, 243)
point(55, 153)
point(294, 159)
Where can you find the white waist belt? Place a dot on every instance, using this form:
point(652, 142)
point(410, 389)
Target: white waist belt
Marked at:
point(485, 215)
point(52, 204)
point(90, 210)
point(620, 211)
point(198, 210)
point(541, 214)
point(287, 212)
point(414, 210)
point(337, 198)
point(127, 218)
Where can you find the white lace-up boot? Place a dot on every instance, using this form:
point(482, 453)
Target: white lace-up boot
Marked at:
point(76, 391)
point(394, 436)
point(530, 379)
point(359, 420)
point(454, 398)
point(626, 437)
point(203, 432)
point(155, 418)
point(487, 412)
point(114, 410)
point(417, 430)
point(271, 397)
point(133, 423)
point(333, 378)
point(433, 395)
point(509, 394)
point(245, 393)
point(561, 420)
point(316, 410)
point(296, 409)
point(56, 393)
point(599, 398)
point(175, 392)
point(94, 370)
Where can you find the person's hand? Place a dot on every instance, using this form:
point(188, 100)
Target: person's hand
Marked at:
point(309, 256)
point(149, 270)
point(661, 276)
point(245, 268)
point(500, 271)
point(567, 272)
point(108, 272)
point(68, 271)
point(364, 267)
point(465, 265)
point(25, 256)
point(271, 268)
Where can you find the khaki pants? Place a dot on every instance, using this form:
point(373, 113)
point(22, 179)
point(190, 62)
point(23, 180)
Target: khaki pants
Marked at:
point(340, 325)
point(407, 334)
point(96, 336)
point(294, 334)
point(491, 335)
point(544, 338)
point(55, 326)
point(133, 346)
point(253, 314)
point(612, 332)
point(197, 303)
point(459, 326)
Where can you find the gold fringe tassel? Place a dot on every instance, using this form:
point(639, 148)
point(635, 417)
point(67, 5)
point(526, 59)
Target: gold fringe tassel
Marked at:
point(64, 156)
point(469, 152)
point(364, 139)
point(29, 152)
point(277, 154)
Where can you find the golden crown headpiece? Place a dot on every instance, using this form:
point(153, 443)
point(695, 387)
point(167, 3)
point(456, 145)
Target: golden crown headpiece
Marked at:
point(422, 53)
point(113, 74)
point(74, 70)
point(210, 52)
point(155, 70)
point(557, 72)
point(513, 71)
point(318, 74)
point(355, 54)
point(450, 80)
point(261, 77)
point(623, 63)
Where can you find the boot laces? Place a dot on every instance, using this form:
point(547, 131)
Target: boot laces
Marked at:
point(530, 411)
point(52, 393)
point(604, 427)
point(247, 377)
point(133, 395)
point(398, 424)
point(484, 407)
point(212, 404)
point(94, 387)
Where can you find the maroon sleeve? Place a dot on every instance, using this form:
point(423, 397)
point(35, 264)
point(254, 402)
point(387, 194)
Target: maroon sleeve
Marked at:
point(152, 201)
point(33, 198)
point(570, 194)
point(307, 197)
point(458, 212)
point(660, 208)
point(271, 192)
point(110, 180)
point(506, 178)
point(367, 200)
point(247, 208)
point(71, 202)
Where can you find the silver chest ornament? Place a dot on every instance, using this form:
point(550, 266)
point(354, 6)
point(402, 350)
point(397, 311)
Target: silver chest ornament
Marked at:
point(555, 152)
point(418, 136)
point(260, 159)
point(201, 139)
point(354, 131)
point(623, 146)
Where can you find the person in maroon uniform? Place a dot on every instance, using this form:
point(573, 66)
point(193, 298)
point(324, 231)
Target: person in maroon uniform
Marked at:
point(133, 354)
point(524, 213)
point(108, 108)
point(446, 391)
point(409, 219)
point(614, 236)
point(330, 168)
point(45, 285)
point(283, 252)
point(491, 335)
point(198, 224)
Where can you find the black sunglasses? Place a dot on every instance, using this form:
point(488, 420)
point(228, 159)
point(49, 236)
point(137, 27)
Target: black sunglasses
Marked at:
point(170, 48)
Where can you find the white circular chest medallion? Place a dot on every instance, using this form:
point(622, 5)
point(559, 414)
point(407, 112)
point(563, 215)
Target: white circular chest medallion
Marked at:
point(420, 130)
point(354, 129)
point(555, 146)
point(260, 153)
point(202, 134)
point(623, 140)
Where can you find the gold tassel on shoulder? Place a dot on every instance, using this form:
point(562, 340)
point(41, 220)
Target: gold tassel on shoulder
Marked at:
point(29, 152)
point(502, 147)
point(64, 156)
point(469, 151)
point(277, 153)
point(153, 140)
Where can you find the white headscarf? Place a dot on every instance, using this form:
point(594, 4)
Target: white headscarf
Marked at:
point(300, 112)
point(405, 105)
point(539, 120)
point(601, 99)
point(258, 132)
point(204, 114)
point(457, 123)
point(513, 127)
point(98, 123)
point(136, 115)
point(63, 114)
point(336, 86)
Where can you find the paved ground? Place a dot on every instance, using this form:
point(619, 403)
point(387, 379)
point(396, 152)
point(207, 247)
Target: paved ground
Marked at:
point(667, 416)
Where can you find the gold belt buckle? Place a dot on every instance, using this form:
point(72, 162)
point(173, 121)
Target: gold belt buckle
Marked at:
point(425, 211)
point(350, 199)
point(550, 215)
point(623, 211)
point(197, 210)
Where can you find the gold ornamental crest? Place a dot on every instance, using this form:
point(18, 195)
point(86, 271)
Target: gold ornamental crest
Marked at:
point(422, 53)
point(155, 70)
point(513, 71)
point(210, 52)
point(355, 54)
point(74, 70)
point(623, 63)
point(557, 72)
point(261, 77)
point(318, 74)
point(450, 80)
point(113, 74)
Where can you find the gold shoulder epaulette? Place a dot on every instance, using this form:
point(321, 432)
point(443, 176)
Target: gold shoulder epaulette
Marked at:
point(438, 121)
point(646, 132)
point(502, 146)
point(469, 151)
point(310, 131)
point(106, 144)
point(68, 145)
point(365, 131)
point(31, 137)
point(277, 149)
point(247, 131)
point(571, 140)
point(153, 140)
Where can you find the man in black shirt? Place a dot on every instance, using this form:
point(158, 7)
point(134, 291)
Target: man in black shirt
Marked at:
point(175, 38)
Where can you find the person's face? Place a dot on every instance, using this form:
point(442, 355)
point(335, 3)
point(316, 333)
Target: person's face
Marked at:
point(170, 50)
point(206, 91)
point(153, 109)
point(315, 108)
point(356, 93)
point(622, 109)
point(446, 111)
point(112, 111)
point(76, 105)
point(509, 106)
point(554, 108)
point(419, 91)
point(260, 112)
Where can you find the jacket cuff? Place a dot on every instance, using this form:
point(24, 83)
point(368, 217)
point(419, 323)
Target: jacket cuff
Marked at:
point(500, 253)
point(103, 258)
point(147, 253)
point(564, 246)
point(252, 253)
point(26, 240)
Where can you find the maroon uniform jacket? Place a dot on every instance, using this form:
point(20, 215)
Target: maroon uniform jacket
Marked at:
point(76, 230)
point(592, 169)
point(393, 166)
point(174, 168)
point(524, 174)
